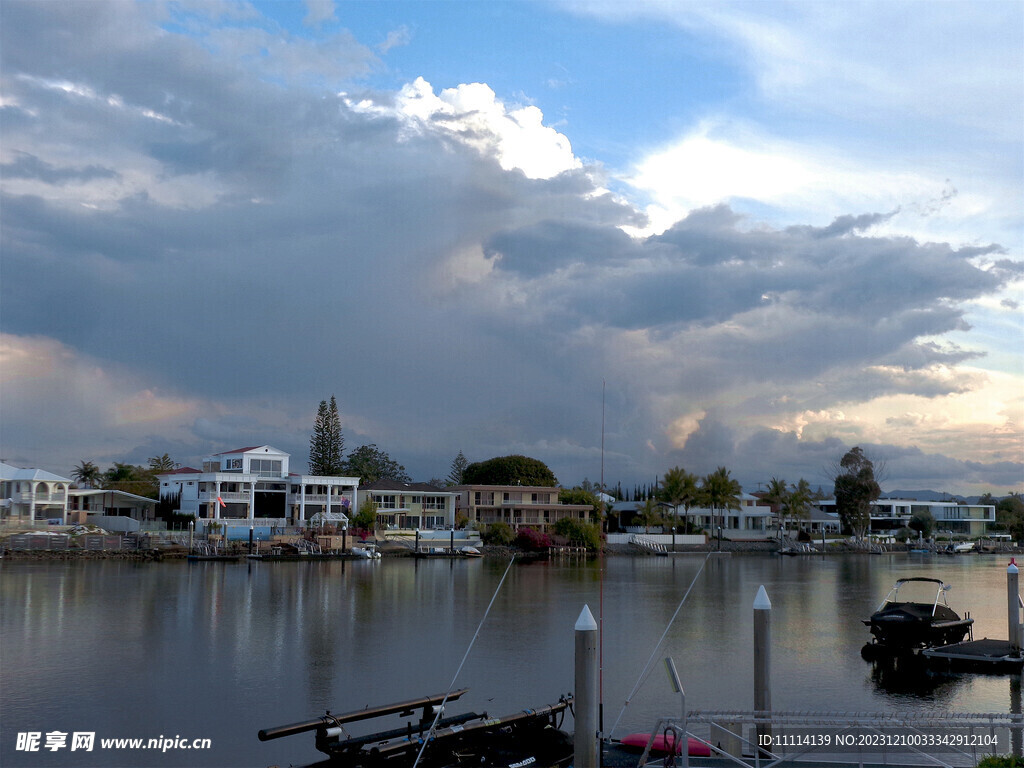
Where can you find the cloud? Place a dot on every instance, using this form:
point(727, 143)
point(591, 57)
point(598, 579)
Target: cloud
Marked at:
point(243, 231)
point(396, 38)
point(318, 11)
point(473, 115)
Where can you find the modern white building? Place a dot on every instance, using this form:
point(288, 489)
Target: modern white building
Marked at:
point(30, 495)
point(253, 486)
point(889, 515)
point(750, 521)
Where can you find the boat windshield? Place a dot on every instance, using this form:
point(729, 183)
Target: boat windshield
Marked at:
point(918, 590)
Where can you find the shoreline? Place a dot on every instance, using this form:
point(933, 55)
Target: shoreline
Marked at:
point(505, 552)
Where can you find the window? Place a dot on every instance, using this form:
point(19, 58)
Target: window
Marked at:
point(484, 497)
point(385, 502)
point(265, 467)
point(433, 502)
point(233, 465)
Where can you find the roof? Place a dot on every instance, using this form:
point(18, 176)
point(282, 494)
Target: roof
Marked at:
point(9, 472)
point(397, 485)
point(182, 471)
point(111, 492)
point(241, 450)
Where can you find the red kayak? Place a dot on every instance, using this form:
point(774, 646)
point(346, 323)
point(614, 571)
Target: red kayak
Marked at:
point(664, 746)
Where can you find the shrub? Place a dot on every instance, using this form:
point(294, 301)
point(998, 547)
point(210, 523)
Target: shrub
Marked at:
point(1001, 761)
point(579, 533)
point(532, 540)
point(906, 533)
point(499, 534)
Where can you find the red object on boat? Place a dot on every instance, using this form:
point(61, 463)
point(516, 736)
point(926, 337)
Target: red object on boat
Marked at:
point(663, 745)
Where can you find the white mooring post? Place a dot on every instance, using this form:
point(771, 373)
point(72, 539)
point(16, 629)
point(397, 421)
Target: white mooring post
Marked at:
point(586, 696)
point(762, 658)
point(1013, 606)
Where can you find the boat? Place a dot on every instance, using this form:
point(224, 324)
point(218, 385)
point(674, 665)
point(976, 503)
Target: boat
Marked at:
point(366, 551)
point(531, 737)
point(664, 744)
point(902, 625)
point(468, 551)
point(964, 547)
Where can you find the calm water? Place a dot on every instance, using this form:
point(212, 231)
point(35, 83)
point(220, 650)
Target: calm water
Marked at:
point(219, 651)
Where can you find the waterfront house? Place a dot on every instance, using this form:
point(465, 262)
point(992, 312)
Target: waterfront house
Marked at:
point(408, 506)
point(517, 505)
point(89, 505)
point(30, 495)
point(890, 515)
point(752, 521)
point(253, 487)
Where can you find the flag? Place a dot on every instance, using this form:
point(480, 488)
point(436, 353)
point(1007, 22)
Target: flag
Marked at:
point(221, 502)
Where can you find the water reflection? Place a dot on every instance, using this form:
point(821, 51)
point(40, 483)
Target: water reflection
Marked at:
point(909, 677)
point(219, 650)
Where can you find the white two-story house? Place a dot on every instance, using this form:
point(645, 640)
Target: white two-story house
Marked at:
point(253, 486)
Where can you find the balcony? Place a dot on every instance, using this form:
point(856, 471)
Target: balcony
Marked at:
point(226, 496)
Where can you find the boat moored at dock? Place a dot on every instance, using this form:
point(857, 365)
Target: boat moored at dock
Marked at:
point(908, 625)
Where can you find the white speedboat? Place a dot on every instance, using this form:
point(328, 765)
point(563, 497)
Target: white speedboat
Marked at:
point(366, 551)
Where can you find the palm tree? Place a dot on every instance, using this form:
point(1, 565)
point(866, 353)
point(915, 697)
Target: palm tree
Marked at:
point(87, 474)
point(648, 513)
point(776, 496)
point(679, 488)
point(797, 503)
point(721, 492)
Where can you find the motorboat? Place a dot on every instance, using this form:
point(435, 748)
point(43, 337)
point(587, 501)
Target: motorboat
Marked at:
point(530, 737)
point(906, 625)
point(366, 550)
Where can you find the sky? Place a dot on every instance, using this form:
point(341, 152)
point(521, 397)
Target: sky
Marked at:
point(616, 237)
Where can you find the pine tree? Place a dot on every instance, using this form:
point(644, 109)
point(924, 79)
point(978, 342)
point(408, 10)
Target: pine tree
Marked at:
point(326, 444)
point(459, 464)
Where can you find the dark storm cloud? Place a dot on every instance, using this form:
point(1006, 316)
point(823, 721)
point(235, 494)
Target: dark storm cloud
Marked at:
point(26, 166)
point(274, 242)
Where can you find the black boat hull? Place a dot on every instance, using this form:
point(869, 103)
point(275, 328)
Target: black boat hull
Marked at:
point(917, 625)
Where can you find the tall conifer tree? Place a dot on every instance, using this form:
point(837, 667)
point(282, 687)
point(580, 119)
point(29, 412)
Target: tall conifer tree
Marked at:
point(326, 444)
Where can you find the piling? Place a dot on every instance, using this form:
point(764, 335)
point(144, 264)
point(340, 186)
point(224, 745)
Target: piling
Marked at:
point(762, 660)
point(585, 748)
point(1013, 606)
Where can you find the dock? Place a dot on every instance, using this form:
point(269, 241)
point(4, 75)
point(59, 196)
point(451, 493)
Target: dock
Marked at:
point(985, 655)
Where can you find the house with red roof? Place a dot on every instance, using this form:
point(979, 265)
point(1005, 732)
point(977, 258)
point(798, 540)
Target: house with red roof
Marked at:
point(253, 486)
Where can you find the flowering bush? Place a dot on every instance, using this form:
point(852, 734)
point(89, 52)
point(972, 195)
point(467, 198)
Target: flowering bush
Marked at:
point(532, 540)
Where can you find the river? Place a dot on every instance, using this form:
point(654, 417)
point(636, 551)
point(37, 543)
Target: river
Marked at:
point(217, 651)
